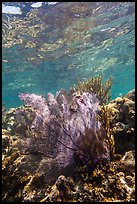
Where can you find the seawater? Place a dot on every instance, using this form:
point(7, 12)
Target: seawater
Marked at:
point(48, 46)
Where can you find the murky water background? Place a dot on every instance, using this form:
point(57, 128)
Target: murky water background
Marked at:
point(51, 46)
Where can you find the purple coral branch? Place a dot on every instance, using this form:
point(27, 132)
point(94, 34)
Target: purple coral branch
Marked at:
point(59, 140)
point(65, 131)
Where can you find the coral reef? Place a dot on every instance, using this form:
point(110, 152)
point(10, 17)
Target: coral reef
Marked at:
point(95, 85)
point(59, 149)
point(122, 122)
point(114, 181)
point(51, 131)
point(109, 183)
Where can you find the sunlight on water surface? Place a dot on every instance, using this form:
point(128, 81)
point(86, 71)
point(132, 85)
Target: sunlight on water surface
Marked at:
point(51, 45)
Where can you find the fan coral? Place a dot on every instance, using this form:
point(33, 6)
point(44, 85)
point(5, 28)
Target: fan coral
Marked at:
point(91, 147)
point(61, 124)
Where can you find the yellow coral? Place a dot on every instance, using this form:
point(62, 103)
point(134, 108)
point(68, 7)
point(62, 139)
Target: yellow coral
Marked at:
point(109, 135)
point(95, 85)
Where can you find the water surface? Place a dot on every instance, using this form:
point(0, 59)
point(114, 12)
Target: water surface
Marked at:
point(51, 45)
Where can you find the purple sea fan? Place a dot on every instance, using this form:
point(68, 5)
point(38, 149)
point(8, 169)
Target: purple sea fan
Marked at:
point(61, 123)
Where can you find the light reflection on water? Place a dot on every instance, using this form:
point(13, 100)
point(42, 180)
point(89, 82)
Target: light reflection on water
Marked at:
point(53, 46)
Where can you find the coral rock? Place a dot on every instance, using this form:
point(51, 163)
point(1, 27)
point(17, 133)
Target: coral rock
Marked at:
point(122, 117)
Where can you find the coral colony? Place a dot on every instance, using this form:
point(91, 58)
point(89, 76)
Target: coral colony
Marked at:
point(65, 125)
point(67, 129)
point(67, 140)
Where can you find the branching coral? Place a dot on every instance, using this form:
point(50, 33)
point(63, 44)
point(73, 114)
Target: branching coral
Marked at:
point(109, 135)
point(96, 86)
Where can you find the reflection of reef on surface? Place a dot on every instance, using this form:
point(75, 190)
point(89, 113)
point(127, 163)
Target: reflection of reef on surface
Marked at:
point(70, 30)
point(44, 34)
point(30, 167)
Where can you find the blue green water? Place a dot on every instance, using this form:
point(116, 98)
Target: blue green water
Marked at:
point(52, 46)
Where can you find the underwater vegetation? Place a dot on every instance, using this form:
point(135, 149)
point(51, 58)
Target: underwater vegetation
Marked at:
point(62, 134)
point(95, 85)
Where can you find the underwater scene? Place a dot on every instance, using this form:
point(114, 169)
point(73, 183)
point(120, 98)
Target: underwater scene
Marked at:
point(68, 101)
